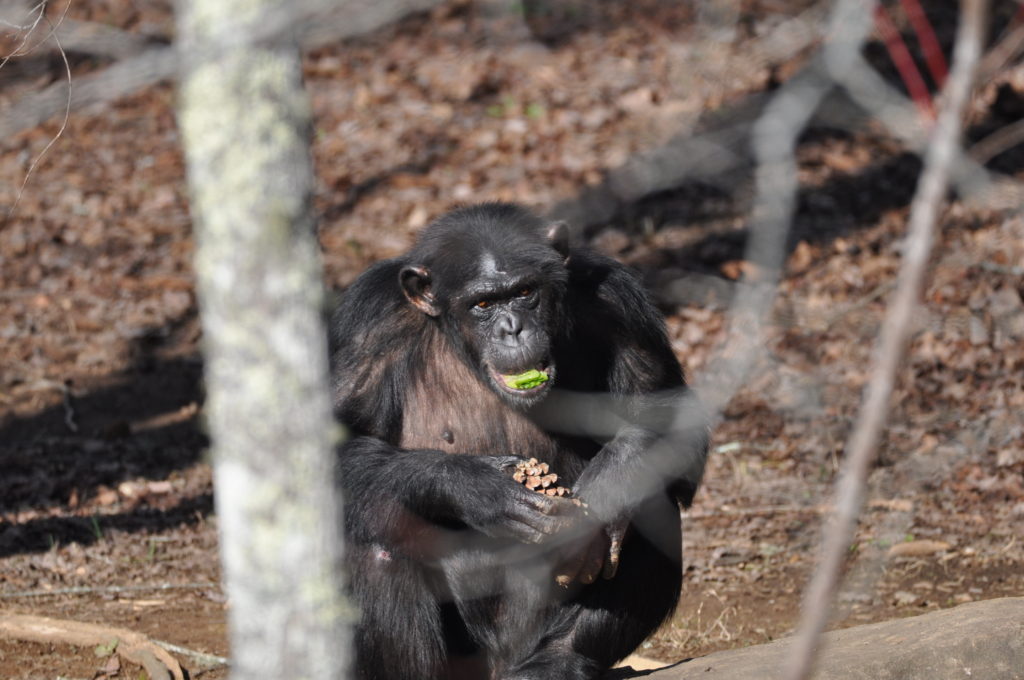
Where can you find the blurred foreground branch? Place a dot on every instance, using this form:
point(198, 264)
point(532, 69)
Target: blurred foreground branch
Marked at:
point(99, 40)
point(316, 23)
point(895, 333)
point(775, 136)
point(972, 181)
point(775, 131)
point(714, 151)
point(245, 121)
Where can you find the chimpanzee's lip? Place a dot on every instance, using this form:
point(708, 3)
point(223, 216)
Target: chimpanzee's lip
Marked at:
point(502, 380)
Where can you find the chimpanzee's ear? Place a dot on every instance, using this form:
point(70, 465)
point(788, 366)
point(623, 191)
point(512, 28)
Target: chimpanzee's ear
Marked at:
point(558, 237)
point(415, 282)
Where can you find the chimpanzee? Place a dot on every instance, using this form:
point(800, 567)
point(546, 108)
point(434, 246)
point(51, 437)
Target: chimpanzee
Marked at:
point(489, 342)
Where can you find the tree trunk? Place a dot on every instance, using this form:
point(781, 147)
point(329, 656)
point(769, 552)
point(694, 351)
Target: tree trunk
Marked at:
point(245, 121)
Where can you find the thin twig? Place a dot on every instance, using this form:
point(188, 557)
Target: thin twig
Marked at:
point(1009, 47)
point(28, 29)
point(18, 28)
point(892, 344)
point(69, 409)
point(209, 661)
point(891, 504)
point(844, 311)
point(318, 23)
point(65, 392)
point(89, 590)
point(1001, 269)
point(999, 141)
point(49, 144)
point(759, 511)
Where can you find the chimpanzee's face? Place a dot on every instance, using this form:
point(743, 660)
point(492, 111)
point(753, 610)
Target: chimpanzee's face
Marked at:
point(506, 316)
point(498, 297)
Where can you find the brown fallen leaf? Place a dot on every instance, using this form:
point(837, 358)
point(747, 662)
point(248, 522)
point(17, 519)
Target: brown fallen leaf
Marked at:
point(106, 496)
point(160, 487)
point(640, 663)
point(894, 504)
point(918, 548)
point(113, 665)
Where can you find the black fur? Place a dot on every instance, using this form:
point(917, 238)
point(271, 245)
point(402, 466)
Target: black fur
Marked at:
point(451, 562)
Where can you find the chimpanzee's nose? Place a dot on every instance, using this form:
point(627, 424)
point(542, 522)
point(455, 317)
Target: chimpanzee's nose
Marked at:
point(509, 327)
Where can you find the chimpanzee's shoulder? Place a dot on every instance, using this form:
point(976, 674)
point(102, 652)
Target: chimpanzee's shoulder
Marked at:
point(605, 283)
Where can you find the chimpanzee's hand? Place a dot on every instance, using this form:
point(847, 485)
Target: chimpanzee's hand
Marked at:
point(496, 505)
point(506, 464)
point(597, 552)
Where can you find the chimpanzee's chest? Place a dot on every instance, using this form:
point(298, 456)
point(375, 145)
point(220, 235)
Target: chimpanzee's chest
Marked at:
point(459, 415)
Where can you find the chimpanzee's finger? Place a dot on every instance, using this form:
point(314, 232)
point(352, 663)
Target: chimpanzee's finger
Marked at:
point(569, 570)
point(616, 533)
point(551, 505)
point(593, 558)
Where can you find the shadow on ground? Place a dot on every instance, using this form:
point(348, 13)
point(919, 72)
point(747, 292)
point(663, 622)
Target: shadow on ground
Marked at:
point(142, 424)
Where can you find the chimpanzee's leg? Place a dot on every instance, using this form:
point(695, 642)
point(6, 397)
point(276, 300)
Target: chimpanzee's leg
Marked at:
point(608, 620)
point(399, 635)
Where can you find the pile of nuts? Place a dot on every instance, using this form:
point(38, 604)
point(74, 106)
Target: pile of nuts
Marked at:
point(537, 476)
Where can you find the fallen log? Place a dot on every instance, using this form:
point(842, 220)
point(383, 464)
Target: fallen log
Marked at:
point(133, 646)
point(980, 640)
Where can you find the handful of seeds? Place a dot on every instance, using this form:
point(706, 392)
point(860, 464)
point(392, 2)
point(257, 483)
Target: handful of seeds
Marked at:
point(537, 476)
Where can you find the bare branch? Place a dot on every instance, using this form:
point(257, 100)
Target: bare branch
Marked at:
point(774, 139)
point(318, 23)
point(99, 39)
point(710, 153)
point(26, 26)
point(119, 80)
point(35, 163)
point(91, 590)
point(133, 646)
point(892, 344)
point(999, 141)
point(1009, 47)
point(884, 103)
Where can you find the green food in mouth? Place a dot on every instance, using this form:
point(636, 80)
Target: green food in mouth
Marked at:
point(527, 380)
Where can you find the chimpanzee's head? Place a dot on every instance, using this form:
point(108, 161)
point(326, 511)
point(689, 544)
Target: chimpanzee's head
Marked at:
point(494, 276)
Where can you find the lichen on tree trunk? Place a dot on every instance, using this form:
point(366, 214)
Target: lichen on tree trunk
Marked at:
point(244, 119)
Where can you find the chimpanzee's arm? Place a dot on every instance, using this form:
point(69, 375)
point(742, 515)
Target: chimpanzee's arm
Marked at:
point(662, 442)
point(389, 490)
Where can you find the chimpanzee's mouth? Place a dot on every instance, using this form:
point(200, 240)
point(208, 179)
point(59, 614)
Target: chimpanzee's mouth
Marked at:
point(530, 382)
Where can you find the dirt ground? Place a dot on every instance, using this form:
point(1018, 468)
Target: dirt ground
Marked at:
point(106, 506)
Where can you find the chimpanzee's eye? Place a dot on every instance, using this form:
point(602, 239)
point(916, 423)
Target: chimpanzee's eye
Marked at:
point(524, 291)
point(483, 304)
